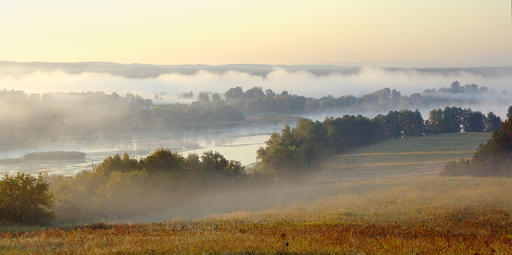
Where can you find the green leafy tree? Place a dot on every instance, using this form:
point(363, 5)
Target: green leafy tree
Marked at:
point(473, 121)
point(163, 160)
point(116, 163)
point(412, 123)
point(254, 93)
point(448, 120)
point(193, 163)
point(216, 162)
point(351, 131)
point(234, 94)
point(25, 199)
point(392, 124)
point(280, 153)
point(312, 140)
point(492, 122)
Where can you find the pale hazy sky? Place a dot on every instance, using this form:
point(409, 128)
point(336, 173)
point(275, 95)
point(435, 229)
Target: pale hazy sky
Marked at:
point(405, 32)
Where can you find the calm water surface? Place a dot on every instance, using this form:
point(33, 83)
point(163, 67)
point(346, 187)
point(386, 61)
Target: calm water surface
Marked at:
point(234, 144)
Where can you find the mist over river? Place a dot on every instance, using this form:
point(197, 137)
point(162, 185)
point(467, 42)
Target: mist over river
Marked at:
point(235, 144)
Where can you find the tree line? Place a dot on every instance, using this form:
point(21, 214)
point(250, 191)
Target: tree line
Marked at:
point(297, 148)
point(259, 101)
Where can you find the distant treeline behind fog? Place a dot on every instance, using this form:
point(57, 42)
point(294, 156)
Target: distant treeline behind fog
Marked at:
point(35, 117)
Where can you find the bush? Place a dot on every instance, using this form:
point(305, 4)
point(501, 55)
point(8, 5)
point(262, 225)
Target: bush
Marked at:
point(25, 199)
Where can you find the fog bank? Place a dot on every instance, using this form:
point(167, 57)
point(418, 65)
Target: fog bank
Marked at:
point(302, 81)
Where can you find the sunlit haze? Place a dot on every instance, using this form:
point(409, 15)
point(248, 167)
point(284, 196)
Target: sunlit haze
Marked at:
point(392, 32)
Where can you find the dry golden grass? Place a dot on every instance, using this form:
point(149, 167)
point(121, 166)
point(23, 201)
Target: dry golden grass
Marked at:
point(428, 215)
point(473, 235)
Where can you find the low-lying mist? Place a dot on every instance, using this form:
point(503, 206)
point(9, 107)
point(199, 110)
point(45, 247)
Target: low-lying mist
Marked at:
point(306, 81)
point(139, 197)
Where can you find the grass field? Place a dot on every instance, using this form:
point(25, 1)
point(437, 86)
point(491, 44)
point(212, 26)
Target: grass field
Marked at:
point(411, 156)
point(381, 199)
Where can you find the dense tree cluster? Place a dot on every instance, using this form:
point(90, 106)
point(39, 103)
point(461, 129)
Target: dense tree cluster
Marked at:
point(456, 119)
point(299, 147)
point(165, 161)
point(119, 186)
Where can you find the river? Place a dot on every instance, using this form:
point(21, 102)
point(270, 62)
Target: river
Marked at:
point(235, 144)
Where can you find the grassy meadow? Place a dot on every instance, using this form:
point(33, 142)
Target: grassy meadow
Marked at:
point(381, 199)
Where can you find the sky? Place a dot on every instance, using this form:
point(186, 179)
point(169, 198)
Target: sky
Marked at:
point(391, 32)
